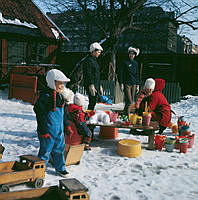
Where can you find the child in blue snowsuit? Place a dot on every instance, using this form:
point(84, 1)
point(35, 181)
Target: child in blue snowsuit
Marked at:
point(49, 110)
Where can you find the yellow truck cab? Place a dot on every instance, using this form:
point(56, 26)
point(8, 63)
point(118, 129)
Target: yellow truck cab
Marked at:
point(74, 189)
point(29, 168)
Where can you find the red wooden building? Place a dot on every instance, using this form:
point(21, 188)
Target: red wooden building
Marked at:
point(29, 44)
point(27, 36)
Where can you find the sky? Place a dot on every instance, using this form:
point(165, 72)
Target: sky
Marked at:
point(154, 175)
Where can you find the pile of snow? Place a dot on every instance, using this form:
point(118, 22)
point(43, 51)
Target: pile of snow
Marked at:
point(154, 175)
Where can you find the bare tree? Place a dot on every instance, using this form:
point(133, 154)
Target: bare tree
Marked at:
point(113, 17)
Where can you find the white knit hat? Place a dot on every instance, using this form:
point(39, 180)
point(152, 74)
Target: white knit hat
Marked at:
point(95, 46)
point(149, 84)
point(68, 95)
point(55, 75)
point(79, 99)
point(132, 49)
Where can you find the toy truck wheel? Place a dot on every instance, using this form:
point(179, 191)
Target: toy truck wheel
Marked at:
point(38, 183)
point(4, 188)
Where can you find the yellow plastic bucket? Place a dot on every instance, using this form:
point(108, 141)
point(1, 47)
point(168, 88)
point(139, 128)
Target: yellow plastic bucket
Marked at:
point(133, 118)
point(129, 148)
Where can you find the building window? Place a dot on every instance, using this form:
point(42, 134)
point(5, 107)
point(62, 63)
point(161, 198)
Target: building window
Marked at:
point(25, 53)
point(16, 53)
point(38, 53)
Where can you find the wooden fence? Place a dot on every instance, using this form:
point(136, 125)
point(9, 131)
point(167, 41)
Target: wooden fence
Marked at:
point(26, 87)
point(108, 89)
point(172, 91)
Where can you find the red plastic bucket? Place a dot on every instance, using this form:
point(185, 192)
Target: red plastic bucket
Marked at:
point(159, 141)
point(178, 138)
point(191, 139)
point(108, 132)
point(183, 147)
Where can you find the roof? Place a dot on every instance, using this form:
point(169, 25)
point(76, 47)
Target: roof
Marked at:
point(24, 13)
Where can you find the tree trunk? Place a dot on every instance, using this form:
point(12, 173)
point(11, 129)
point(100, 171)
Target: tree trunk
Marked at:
point(118, 94)
point(112, 66)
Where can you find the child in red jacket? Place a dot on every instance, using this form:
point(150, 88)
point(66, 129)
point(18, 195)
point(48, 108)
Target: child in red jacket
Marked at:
point(161, 109)
point(147, 90)
point(77, 116)
point(158, 104)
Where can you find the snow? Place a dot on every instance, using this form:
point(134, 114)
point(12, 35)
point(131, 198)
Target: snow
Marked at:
point(16, 22)
point(56, 33)
point(155, 175)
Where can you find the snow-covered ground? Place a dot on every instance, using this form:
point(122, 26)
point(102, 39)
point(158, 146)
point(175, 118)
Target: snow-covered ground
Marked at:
point(155, 175)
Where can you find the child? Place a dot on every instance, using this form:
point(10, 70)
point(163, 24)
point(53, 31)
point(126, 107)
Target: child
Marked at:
point(77, 115)
point(71, 134)
point(144, 95)
point(158, 104)
point(68, 96)
point(161, 109)
point(49, 109)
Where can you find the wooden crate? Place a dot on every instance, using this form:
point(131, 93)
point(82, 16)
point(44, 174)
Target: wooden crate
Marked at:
point(74, 154)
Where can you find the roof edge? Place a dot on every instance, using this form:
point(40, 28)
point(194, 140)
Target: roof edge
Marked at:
point(52, 22)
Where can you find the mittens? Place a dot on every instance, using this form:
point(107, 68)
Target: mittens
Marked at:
point(122, 87)
point(69, 130)
point(46, 136)
point(101, 90)
point(92, 90)
point(137, 89)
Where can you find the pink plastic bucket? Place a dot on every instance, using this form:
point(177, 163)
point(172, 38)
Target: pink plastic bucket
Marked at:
point(113, 116)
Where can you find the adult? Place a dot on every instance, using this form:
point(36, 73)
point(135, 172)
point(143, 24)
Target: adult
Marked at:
point(129, 78)
point(91, 75)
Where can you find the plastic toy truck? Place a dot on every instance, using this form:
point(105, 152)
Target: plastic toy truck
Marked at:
point(28, 169)
point(68, 189)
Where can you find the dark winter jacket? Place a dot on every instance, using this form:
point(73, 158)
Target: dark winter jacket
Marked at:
point(91, 72)
point(159, 104)
point(129, 73)
point(49, 109)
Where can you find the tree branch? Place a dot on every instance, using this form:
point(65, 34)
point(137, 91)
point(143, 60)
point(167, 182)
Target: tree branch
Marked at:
point(188, 23)
point(187, 11)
